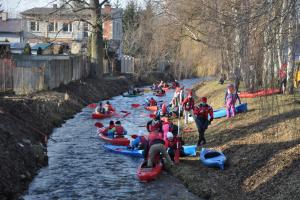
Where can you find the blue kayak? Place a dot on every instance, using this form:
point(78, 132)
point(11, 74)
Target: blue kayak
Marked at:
point(219, 113)
point(222, 111)
point(212, 158)
point(124, 150)
point(189, 150)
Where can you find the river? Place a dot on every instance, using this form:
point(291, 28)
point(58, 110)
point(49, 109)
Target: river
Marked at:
point(80, 168)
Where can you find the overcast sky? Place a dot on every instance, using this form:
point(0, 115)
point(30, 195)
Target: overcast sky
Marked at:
point(16, 6)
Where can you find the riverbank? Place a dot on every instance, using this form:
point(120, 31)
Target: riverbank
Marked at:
point(262, 147)
point(27, 122)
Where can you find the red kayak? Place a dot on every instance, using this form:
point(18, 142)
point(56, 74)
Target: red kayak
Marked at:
point(102, 116)
point(113, 141)
point(166, 89)
point(160, 94)
point(151, 108)
point(147, 174)
point(259, 93)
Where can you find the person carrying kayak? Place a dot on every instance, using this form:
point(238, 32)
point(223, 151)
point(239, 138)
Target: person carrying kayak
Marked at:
point(99, 109)
point(108, 108)
point(231, 97)
point(156, 146)
point(119, 131)
point(202, 121)
point(188, 106)
point(171, 144)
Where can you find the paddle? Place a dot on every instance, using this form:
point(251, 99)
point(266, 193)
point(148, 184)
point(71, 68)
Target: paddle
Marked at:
point(177, 152)
point(135, 105)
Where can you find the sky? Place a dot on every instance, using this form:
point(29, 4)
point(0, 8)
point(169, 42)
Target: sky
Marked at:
point(15, 6)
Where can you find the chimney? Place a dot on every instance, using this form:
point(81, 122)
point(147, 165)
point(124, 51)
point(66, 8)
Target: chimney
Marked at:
point(4, 16)
point(107, 8)
point(55, 6)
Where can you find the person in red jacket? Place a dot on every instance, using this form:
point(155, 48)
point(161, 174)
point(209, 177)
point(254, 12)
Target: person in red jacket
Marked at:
point(108, 108)
point(152, 102)
point(171, 144)
point(188, 106)
point(203, 116)
point(119, 130)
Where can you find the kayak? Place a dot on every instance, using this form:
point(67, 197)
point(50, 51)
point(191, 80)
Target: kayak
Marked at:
point(212, 158)
point(124, 150)
point(219, 113)
point(114, 141)
point(189, 150)
point(102, 116)
point(132, 95)
point(222, 111)
point(146, 174)
point(160, 94)
point(151, 108)
point(259, 93)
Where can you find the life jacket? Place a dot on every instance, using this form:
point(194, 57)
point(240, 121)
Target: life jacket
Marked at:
point(152, 102)
point(163, 109)
point(155, 138)
point(155, 125)
point(110, 108)
point(119, 130)
point(203, 110)
point(188, 104)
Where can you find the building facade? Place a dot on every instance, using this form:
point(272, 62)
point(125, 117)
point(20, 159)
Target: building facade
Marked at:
point(11, 30)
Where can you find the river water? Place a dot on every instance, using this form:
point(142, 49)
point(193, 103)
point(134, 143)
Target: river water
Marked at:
point(80, 168)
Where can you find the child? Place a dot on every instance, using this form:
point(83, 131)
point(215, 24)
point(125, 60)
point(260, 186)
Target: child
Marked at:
point(188, 106)
point(230, 99)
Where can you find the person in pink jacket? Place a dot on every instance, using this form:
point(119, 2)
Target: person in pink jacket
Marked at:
point(231, 97)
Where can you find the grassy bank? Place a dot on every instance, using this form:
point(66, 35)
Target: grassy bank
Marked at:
point(262, 147)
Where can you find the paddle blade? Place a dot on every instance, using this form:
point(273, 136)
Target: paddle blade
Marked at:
point(152, 115)
point(134, 136)
point(92, 105)
point(99, 124)
point(135, 105)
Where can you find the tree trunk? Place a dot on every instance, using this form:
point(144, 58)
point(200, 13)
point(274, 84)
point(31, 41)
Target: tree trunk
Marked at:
point(291, 52)
point(96, 40)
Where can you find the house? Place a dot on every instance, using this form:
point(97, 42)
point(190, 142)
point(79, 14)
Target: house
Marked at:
point(69, 26)
point(11, 30)
point(45, 48)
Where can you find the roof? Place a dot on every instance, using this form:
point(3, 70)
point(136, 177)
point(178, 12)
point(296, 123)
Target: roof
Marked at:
point(44, 11)
point(41, 45)
point(11, 26)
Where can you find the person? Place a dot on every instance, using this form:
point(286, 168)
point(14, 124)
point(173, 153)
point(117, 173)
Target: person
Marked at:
point(202, 121)
point(110, 129)
point(165, 85)
point(175, 84)
point(108, 107)
point(188, 105)
point(172, 143)
point(222, 79)
point(231, 97)
point(156, 146)
point(119, 131)
point(152, 102)
point(160, 84)
point(154, 124)
point(282, 78)
point(99, 109)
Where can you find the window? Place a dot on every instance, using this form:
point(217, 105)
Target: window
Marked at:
point(67, 27)
point(34, 26)
point(52, 26)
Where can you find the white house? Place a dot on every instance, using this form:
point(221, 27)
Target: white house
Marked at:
point(11, 30)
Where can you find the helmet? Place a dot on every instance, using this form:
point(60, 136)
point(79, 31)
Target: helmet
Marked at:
point(204, 99)
point(170, 135)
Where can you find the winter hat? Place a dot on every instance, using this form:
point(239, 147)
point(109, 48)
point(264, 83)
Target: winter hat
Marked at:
point(204, 99)
point(170, 135)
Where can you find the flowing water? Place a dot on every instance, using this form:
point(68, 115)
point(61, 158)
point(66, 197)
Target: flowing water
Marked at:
point(80, 168)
